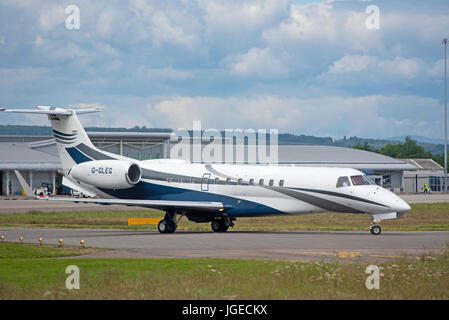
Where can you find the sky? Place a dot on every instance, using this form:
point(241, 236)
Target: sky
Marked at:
point(303, 67)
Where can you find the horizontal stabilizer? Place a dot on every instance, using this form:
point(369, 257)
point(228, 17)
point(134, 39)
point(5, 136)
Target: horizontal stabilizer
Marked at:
point(52, 110)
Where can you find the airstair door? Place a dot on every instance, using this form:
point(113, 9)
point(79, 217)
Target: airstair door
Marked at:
point(205, 182)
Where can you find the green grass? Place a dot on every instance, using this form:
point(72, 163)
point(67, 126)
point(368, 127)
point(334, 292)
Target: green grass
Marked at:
point(422, 217)
point(30, 251)
point(36, 278)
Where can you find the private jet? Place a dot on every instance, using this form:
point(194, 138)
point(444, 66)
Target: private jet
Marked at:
point(218, 194)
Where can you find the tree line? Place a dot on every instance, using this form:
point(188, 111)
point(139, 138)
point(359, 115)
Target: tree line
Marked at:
point(409, 149)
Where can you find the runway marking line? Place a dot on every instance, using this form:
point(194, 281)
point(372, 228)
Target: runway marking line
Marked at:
point(348, 254)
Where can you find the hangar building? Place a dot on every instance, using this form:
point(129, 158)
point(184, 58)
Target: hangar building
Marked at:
point(37, 159)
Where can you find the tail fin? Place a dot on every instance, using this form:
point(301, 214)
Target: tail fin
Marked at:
point(74, 146)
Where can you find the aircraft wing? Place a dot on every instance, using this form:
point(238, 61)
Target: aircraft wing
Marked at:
point(155, 204)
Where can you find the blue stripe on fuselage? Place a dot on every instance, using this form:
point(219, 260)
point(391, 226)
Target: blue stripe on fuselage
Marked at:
point(77, 155)
point(151, 191)
point(63, 134)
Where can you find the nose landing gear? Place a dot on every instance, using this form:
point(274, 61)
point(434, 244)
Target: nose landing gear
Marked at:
point(375, 229)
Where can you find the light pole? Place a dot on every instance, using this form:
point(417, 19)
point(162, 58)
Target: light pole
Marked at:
point(445, 117)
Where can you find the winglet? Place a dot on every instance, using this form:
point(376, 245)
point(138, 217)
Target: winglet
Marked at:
point(28, 191)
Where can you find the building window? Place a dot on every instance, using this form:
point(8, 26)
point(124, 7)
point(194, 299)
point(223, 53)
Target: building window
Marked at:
point(169, 179)
point(261, 182)
point(271, 182)
point(180, 180)
point(217, 180)
point(228, 180)
point(239, 181)
point(281, 183)
point(251, 182)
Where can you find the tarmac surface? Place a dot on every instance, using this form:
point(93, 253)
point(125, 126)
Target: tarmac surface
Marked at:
point(290, 245)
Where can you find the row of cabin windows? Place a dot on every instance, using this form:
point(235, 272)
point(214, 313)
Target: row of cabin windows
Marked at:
point(228, 181)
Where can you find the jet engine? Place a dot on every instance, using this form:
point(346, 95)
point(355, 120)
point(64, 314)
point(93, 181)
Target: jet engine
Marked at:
point(108, 174)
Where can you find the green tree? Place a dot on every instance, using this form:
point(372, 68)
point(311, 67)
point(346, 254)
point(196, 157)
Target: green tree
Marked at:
point(365, 146)
point(408, 149)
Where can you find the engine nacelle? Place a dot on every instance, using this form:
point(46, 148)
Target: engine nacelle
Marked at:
point(108, 174)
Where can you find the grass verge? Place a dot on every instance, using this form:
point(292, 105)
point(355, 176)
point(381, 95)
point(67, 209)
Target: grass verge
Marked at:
point(30, 251)
point(36, 278)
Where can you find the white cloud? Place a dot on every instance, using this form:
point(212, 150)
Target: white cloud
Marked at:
point(259, 63)
point(314, 22)
point(336, 115)
point(167, 73)
point(351, 63)
point(240, 17)
point(397, 67)
point(166, 31)
point(51, 16)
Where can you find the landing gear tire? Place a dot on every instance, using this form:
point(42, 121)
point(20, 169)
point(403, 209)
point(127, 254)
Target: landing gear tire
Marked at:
point(218, 225)
point(163, 227)
point(375, 230)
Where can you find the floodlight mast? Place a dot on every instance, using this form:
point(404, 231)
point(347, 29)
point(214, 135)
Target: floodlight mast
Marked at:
point(444, 41)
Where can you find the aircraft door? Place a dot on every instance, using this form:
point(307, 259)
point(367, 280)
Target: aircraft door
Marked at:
point(205, 182)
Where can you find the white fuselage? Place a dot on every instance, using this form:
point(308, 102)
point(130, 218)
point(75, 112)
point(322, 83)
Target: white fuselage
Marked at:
point(260, 189)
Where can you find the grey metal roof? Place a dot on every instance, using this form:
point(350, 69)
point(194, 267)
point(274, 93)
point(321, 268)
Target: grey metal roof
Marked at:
point(19, 156)
point(130, 135)
point(424, 164)
point(329, 156)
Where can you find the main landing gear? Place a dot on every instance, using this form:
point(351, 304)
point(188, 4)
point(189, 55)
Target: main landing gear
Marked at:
point(169, 223)
point(221, 224)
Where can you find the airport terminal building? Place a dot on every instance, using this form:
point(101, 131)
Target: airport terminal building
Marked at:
point(37, 159)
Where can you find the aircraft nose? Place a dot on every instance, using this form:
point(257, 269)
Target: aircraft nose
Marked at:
point(400, 205)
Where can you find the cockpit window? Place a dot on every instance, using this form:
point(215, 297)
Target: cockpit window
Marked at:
point(343, 182)
point(360, 180)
